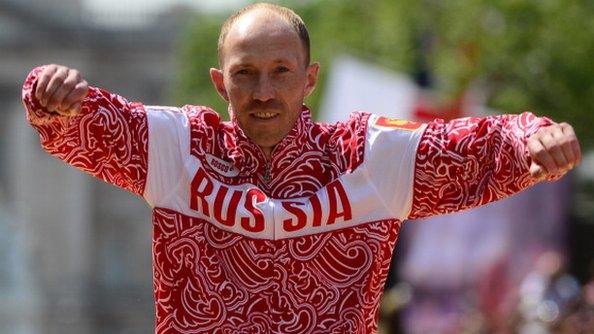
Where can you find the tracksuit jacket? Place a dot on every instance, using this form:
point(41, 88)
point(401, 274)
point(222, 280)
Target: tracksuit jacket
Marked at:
point(300, 242)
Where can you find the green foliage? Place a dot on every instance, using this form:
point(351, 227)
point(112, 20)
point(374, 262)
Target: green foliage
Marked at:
point(528, 54)
point(377, 31)
point(198, 53)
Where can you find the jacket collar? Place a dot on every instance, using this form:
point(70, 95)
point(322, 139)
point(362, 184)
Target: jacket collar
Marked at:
point(249, 157)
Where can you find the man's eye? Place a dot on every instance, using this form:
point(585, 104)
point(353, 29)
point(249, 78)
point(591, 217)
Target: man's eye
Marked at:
point(242, 72)
point(282, 69)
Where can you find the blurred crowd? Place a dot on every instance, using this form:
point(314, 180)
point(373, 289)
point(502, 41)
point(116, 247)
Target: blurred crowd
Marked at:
point(549, 300)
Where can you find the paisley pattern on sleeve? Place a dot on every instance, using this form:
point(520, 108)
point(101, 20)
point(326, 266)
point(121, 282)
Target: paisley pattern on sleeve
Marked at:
point(108, 139)
point(472, 161)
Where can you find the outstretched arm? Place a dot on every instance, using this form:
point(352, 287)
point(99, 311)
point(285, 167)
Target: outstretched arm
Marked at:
point(87, 127)
point(472, 161)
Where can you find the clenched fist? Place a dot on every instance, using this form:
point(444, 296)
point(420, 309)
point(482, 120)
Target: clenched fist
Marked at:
point(554, 151)
point(61, 89)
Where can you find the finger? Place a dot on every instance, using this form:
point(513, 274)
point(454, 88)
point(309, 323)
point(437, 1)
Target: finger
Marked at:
point(43, 80)
point(63, 90)
point(554, 150)
point(567, 149)
point(539, 154)
point(54, 83)
point(562, 143)
point(573, 143)
point(537, 171)
point(63, 112)
point(75, 96)
point(577, 151)
point(75, 108)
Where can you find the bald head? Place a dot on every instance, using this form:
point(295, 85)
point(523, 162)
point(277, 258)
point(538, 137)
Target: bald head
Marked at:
point(257, 18)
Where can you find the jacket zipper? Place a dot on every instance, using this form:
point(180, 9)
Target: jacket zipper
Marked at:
point(266, 175)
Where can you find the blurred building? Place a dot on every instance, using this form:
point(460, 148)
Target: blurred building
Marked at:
point(75, 253)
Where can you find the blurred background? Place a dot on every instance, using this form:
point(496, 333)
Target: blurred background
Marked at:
point(75, 252)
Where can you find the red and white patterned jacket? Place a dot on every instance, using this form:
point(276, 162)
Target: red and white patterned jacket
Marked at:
point(298, 244)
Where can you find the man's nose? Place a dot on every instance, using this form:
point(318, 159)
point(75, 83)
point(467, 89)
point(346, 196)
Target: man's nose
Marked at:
point(264, 90)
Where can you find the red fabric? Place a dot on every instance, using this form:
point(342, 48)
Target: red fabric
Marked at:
point(469, 162)
point(108, 140)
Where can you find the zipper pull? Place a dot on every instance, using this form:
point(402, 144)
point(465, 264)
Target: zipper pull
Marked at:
point(266, 175)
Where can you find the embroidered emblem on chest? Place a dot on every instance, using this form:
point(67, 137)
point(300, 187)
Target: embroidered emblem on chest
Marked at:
point(224, 168)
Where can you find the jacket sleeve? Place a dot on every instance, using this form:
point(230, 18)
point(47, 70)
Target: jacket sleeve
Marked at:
point(108, 139)
point(469, 162)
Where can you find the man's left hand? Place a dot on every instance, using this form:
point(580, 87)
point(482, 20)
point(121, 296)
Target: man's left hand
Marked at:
point(554, 150)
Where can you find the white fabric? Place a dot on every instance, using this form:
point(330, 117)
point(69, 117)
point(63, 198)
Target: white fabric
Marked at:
point(380, 188)
point(168, 150)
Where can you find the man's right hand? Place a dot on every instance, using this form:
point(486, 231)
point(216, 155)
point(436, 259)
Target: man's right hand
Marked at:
point(61, 89)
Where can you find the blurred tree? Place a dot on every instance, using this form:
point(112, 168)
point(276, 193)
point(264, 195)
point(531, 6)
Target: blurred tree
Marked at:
point(528, 54)
point(197, 54)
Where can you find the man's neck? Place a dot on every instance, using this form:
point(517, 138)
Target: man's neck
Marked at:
point(267, 151)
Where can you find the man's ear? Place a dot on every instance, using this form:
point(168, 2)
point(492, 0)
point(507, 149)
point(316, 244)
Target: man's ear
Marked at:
point(312, 78)
point(216, 76)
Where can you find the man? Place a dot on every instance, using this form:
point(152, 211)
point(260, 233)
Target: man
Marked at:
point(272, 223)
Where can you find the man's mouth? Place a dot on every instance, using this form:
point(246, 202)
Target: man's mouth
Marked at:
point(264, 115)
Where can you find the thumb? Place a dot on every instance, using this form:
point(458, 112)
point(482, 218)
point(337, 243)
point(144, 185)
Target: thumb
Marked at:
point(75, 108)
point(70, 111)
point(537, 171)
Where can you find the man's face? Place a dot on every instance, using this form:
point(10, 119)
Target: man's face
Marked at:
point(264, 77)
